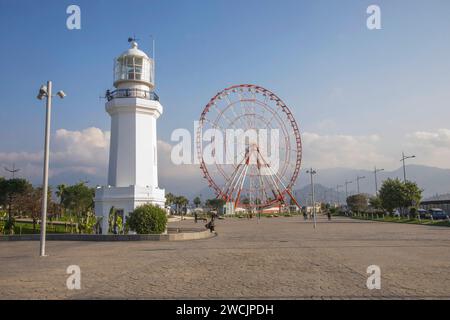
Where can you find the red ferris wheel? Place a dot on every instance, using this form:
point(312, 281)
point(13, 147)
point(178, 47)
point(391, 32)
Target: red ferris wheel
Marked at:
point(249, 147)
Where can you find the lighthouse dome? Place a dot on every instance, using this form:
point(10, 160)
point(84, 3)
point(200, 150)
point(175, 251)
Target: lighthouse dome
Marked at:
point(134, 51)
point(134, 66)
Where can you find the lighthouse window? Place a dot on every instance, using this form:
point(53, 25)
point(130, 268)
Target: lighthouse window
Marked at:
point(132, 68)
point(138, 68)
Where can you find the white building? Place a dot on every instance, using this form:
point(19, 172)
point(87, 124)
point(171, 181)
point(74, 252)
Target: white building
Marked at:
point(134, 108)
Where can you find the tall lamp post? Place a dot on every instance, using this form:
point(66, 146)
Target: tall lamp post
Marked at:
point(312, 173)
point(376, 180)
point(46, 92)
point(337, 193)
point(13, 171)
point(357, 181)
point(346, 188)
point(404, 167)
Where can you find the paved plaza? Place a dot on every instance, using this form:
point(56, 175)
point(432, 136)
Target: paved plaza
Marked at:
point(275, 258)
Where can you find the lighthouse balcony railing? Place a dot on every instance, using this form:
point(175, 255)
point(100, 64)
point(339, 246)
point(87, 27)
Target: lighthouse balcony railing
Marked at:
point(131, 93)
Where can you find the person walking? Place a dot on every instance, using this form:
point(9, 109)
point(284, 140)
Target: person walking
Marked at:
point(210, 225)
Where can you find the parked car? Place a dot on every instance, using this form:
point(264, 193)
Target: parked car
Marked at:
point(437, 214)
point(422, 213)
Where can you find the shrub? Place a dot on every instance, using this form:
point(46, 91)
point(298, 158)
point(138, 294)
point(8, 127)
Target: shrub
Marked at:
point(147, 219)
point(357, 202)
point(8, 227)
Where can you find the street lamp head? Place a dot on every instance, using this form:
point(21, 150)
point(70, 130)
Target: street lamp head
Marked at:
point(61, 94)
point(42, 92)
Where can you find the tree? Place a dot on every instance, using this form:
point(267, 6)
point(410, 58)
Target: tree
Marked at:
point(375, 203)
point(197, 201)
point(357, 202)
point(9, 190)
point(398, 194)
point(391, 194)
point(60, 194)
point(78, 199)
point(216, 204)
point(180, 202)
point(413, 195)
point(170, 199)
point(30, 203)
point(147, 219)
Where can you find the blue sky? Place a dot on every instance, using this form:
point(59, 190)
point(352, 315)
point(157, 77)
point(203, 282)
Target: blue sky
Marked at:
point(387, 90)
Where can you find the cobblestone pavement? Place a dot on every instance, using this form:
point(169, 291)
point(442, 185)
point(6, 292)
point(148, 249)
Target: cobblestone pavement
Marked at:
point(275, 258)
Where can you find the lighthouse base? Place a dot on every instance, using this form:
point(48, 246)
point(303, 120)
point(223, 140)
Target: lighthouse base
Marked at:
point(124, 200)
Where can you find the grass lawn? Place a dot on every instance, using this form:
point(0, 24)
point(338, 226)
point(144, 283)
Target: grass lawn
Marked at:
point(27, 228)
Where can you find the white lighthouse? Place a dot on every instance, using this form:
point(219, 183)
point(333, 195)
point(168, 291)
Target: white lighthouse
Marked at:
point(134, 108)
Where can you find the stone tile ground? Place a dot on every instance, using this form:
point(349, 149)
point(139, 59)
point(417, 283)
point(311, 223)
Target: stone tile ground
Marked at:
point(275, 258)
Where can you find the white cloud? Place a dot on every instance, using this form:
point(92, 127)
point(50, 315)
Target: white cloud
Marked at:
point(439, 138)
point(431, 147)
point(84, 151)
point(331, 151)
point(88, 148)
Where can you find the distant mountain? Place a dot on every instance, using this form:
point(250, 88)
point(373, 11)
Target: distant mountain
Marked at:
point(321, 194)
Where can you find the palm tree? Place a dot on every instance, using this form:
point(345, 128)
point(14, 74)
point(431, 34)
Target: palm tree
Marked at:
point(60, 189)
point(197, 202)
point(170, 199)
